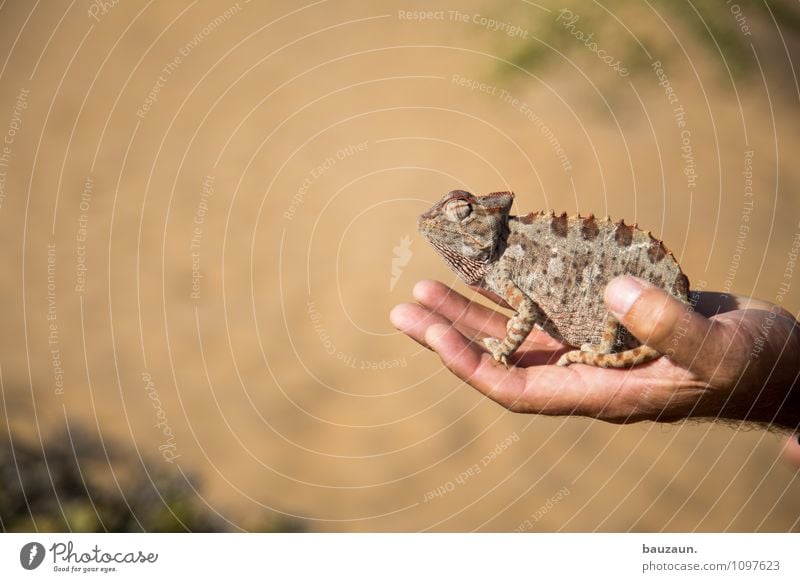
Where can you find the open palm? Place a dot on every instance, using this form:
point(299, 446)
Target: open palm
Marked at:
point(720, 364)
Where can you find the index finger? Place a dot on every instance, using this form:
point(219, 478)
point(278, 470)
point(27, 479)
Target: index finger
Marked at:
point(443, 300)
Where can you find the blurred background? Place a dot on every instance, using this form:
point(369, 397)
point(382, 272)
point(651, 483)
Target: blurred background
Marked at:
point(207, 210)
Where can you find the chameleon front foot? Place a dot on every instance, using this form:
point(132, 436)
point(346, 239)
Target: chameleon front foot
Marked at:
point(495, 347)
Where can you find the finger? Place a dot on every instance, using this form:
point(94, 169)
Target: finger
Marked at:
point(455, 307)
point(666, 324)
point(414, 320)
point(469, 315)
point(492, 296)
point(541, 389)
point(711, 303)
point(791, 451)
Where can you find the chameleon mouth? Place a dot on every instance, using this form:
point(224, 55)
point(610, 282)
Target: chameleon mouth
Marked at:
point(425, 226)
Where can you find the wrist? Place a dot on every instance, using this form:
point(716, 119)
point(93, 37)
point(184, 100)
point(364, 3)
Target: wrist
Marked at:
point(780, 404)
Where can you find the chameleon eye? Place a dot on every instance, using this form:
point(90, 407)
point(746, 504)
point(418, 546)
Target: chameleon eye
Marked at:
point(457, 209)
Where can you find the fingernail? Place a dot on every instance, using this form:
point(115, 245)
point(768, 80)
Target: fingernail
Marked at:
point(621, 293)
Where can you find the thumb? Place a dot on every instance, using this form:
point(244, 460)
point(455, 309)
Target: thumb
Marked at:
point(662, 322)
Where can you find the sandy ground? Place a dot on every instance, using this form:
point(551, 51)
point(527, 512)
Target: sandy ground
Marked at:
point(208, 210)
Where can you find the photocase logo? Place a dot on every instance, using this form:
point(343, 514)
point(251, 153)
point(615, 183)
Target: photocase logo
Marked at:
point(31, 555)
point(402, 255)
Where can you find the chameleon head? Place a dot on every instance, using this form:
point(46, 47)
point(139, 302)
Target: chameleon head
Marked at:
point(467, 230)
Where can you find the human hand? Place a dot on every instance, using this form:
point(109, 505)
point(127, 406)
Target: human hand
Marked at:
point(730, 357)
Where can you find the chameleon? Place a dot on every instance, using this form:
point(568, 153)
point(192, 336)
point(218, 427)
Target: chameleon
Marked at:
point(551, 270)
